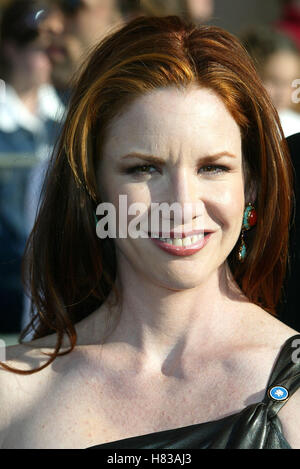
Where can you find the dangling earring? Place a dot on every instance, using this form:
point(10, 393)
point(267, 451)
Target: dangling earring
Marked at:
point(249, 220)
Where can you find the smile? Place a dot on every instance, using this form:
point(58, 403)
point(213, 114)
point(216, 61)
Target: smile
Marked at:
point(187, 241)
point(183, 246)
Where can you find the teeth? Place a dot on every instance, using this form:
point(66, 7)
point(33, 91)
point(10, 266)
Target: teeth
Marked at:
point(187, 241)
point(177, 242)
point(182, 241)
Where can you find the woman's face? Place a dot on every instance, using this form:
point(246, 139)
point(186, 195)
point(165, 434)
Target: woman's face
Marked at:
point(185, 131)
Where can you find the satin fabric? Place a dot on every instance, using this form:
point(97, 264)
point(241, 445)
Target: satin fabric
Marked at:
point(255, 427)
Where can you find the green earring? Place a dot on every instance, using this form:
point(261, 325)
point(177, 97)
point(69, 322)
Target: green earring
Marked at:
point(249, 220)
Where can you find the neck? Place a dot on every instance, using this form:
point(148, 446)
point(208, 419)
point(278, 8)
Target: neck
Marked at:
point(158, 325)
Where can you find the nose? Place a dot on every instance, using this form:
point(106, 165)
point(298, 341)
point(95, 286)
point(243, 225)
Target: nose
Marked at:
point(184, 194)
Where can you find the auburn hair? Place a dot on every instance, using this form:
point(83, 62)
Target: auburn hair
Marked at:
point(70, 271)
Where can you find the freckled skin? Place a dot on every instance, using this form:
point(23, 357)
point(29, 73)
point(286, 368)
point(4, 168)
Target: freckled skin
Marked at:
point(180, 127)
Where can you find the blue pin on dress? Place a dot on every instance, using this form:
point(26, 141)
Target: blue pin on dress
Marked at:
point(278, 393)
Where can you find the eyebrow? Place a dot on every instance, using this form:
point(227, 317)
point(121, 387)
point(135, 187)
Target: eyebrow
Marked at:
point(157, 160)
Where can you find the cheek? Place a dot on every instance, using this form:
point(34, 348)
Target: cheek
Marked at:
point(229, 207)
point(136, 201)
point(136, 193)
point(125, 197)
point(114, 185)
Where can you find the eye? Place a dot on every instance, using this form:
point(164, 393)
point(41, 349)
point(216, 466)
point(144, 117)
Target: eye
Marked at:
point(149, 169)
point(213, 169)
point(142, 169)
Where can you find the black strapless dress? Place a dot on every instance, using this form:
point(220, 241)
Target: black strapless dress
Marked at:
point(255, 427)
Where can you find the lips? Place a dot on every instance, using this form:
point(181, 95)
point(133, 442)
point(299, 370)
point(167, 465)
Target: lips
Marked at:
point(183, 250)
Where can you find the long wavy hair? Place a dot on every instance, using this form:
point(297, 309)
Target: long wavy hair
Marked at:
point(70, 272)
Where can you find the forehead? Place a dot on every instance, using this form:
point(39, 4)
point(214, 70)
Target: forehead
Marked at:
point(173, 116)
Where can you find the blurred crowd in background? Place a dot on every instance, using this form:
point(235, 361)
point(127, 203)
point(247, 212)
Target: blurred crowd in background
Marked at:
point(42, 45)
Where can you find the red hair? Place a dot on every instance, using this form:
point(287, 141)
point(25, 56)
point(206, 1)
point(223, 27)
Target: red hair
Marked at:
point(71, 271)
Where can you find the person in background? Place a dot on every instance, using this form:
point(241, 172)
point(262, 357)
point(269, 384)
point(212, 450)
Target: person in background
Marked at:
point(72, 29)
point(278, 62)
point(30, 115)
point(83, 23)
point(31, 107)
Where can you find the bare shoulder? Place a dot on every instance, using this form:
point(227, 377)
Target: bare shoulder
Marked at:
point(258, 338)
point(28, 356)
point(289, 414)
point(266, 330)
point(17, 371)
point(271, 335)
point(20, 384)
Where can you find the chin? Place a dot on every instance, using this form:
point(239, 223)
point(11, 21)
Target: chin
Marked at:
point(180, 286)
point(179, 281)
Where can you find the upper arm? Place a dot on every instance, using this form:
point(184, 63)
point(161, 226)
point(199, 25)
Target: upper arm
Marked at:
point(289, 417)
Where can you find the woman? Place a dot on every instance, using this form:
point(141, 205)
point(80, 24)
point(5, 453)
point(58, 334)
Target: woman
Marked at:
point(162, 113)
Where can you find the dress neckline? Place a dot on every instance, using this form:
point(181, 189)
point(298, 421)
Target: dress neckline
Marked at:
point(176, 429)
